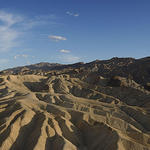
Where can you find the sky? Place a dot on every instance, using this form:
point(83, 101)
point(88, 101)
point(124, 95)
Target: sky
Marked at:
point(70, 31)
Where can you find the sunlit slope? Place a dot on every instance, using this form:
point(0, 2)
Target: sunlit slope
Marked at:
point(64, 112)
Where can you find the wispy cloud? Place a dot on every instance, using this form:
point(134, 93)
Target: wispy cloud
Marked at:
point(21, 56)
point(64, 51)
point(38, 21)
point(72, 14)
point(68, 58)
point(13, 27)
point(9, 19)
point(57, 38)
point(8, 34)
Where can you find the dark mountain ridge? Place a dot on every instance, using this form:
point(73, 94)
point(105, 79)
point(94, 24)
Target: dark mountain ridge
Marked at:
point(137, 69)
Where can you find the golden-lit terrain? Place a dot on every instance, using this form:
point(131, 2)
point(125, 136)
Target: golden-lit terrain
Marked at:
point(101, 105)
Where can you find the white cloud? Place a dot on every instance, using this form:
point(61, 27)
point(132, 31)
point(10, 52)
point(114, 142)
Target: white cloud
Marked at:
point(68, 58)
point(72, 14)
point(9, 19)
point(57, 38)
point(69, 13)
point(14, 27)
point(22, 56)
point(8, 34)
point(76, 15)
point(64, 51)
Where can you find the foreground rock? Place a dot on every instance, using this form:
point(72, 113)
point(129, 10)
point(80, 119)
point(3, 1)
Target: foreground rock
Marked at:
point(74, 108)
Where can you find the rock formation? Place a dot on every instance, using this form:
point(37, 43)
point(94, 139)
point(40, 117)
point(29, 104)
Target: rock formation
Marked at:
point(102, 105)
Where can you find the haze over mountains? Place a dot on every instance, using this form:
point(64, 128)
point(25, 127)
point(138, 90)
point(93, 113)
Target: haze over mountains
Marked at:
point(101, 105)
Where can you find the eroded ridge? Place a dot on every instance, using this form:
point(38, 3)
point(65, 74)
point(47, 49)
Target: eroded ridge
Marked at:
point(73, 112)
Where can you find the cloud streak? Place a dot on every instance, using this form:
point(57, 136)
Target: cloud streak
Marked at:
point(68, 58)
point(72, 14)
point(23, 56)
point(8, 34)
point(9, 19)
point(64, 51)
point(57, 38)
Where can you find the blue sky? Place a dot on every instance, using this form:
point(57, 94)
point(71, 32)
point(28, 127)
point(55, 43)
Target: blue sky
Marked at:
point(69, 31)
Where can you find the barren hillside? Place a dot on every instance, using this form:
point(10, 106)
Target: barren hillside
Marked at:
point(102, 105)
